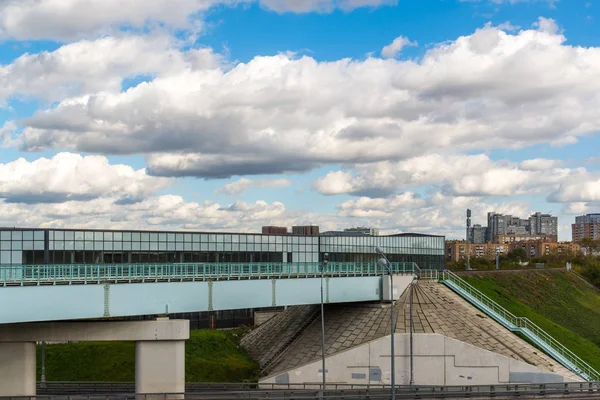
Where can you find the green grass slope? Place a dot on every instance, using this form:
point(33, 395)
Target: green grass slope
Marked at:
point(211, 356)
point(560, 302)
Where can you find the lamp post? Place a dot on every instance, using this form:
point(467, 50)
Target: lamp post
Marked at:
point(412, 376)
point(43, 379)
point(323, 266)
point(385, 264)
point(468, 239)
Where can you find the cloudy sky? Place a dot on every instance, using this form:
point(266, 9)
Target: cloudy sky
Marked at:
point(232, 114)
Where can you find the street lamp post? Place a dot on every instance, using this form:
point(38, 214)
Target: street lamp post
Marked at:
point(412, 376)
point(323, 266)
point(43, 380)
point(386, 265)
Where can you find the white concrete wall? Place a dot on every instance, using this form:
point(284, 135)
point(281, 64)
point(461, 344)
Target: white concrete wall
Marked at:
point(438, 360)
point(401, 282)
point(17, 369)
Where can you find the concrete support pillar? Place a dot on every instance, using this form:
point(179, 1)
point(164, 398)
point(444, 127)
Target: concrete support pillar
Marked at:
point(212, 320)
point(17, 369)
point(160, 367)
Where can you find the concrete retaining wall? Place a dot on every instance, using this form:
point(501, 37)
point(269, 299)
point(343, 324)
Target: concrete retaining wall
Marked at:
point(438, 360)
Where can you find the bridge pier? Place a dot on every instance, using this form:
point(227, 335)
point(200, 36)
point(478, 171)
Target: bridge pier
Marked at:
point(159, 359)
point(17, 368)
point(160, 367)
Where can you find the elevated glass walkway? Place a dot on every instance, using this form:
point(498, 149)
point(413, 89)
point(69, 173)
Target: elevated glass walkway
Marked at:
point(515, 324)
point(29, 275)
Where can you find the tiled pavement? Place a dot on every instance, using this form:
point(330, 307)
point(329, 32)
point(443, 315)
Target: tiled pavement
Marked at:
point(436, 309)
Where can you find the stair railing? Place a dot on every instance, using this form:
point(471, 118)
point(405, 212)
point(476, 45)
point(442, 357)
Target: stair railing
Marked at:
point(520, 324)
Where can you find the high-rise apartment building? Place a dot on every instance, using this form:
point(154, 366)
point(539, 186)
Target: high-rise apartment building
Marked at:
point(536, 224)
point(477, 234)
point(543, 224)
point(586, 226)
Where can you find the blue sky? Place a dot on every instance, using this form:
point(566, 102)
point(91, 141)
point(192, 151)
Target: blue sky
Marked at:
point(207, 115)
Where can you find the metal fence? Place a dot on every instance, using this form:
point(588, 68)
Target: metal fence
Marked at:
point(205, 391)
point(521, 324)
point(11, 275)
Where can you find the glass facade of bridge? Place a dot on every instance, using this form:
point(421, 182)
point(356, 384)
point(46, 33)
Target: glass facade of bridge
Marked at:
point(65, 246)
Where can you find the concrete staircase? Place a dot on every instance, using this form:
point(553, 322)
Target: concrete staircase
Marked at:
point(269, 340)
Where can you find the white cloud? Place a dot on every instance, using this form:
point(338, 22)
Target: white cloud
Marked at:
point(507, 26)
point(161, 212)
point(379, 207)
point(540, 164)
point(547, 25)
point(487, 90)
point(578, 190)
point(6, 133)
point(394, 48)
point(68, 20)
point(91, 66)
point(68, 176)
point(437, 214)
point(578, 208)
point(74, 19)
point(463, 175)
point(236, 188)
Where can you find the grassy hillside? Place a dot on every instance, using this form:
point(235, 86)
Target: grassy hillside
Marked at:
point(559, 302)
point(211, 356)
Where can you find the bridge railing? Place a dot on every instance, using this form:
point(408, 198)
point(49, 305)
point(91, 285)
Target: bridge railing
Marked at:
point(521, 324)
point(75, 273)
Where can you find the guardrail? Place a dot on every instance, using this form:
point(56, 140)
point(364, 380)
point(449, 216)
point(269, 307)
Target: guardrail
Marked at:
point(333, 391)
point(21, 275)
point(520, 324)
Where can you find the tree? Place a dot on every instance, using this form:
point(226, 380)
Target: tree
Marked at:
point(517, 254)
point(589, 246)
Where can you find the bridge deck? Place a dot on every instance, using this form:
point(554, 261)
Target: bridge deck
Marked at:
point(73, 274)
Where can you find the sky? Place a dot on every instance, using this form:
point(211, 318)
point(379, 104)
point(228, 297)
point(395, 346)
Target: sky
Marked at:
point(227, 115)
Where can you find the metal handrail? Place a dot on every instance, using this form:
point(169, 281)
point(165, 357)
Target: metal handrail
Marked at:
point(11, 275)
point(338, 391)
point(523, 325)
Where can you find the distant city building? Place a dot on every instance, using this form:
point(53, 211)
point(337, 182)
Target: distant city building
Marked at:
point(477, 234)
point(543, 224)
point(274, 230)
point(307, 230)
point(536, 224)
point(343, 233)
point(516, 238)
point(456, 250)
point(366, 231)
point(586, 226)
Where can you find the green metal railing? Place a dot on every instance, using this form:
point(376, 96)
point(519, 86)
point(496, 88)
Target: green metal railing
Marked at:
point(520, 324)
point(11, 275)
